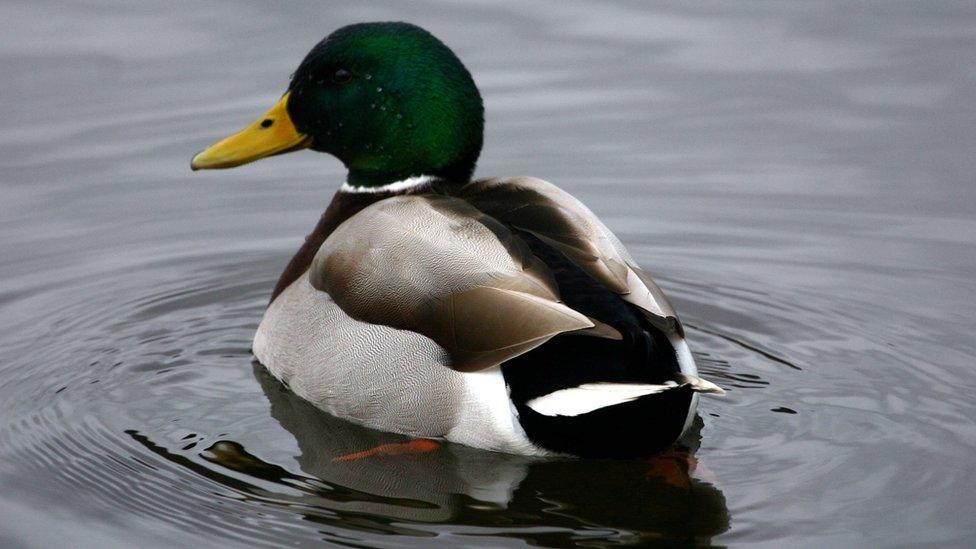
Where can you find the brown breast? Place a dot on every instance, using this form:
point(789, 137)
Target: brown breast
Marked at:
point(343, 206)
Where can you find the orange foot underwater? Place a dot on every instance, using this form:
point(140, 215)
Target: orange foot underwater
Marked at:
point(677, 468)
point(416, 446)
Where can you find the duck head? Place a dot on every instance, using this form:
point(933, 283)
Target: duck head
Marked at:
point(389, 100)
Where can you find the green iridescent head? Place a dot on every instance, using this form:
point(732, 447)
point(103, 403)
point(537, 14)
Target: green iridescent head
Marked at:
point(389, 100)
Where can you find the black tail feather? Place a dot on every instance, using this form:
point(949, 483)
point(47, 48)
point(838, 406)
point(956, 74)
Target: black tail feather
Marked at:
point(643, 354)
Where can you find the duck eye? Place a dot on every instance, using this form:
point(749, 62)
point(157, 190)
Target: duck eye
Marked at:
point(342, 76)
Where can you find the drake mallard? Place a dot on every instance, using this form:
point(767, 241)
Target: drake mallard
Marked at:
point(498, 313)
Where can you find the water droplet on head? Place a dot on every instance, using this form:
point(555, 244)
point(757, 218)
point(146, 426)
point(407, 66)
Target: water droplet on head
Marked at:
point(369, 77)
point(399, 116)
point(379, 88)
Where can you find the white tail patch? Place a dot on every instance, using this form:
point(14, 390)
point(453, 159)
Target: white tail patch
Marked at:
point(588, 397)
point(591, 396)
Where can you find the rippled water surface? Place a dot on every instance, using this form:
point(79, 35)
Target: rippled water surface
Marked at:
point(798, 176)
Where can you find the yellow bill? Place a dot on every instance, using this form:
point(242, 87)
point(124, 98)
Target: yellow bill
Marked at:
point(273, 133)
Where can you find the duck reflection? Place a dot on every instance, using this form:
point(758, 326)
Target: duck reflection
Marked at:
point(628, 500)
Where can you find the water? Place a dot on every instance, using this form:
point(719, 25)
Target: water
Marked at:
point(798, 176)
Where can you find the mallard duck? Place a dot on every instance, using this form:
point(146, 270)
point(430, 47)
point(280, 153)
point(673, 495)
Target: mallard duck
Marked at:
point(498, 313)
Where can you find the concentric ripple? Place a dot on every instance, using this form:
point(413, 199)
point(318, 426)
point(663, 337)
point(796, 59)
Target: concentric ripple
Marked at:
point(156, 414)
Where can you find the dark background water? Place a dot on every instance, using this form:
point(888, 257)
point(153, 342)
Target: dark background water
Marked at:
point(798, 176)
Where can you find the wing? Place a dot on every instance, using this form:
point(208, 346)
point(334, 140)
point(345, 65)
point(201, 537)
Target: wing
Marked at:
point(438, 266)
point(564, 222)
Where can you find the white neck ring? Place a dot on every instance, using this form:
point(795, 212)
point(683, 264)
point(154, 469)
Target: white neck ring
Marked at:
point(396, 186)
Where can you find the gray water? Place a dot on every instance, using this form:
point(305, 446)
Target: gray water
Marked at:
point(798, 177)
